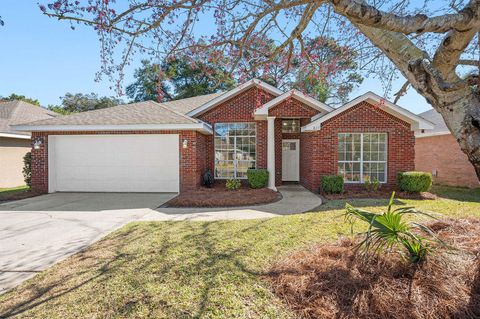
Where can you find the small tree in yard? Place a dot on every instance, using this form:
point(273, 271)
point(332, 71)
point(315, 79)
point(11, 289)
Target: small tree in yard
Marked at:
point(433, 44)
point(388, 231)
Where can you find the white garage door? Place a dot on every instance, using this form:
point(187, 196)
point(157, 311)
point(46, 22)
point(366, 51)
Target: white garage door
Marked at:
point(114, 163)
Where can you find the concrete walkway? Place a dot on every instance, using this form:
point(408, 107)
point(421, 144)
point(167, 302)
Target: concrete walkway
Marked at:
point(295, 200)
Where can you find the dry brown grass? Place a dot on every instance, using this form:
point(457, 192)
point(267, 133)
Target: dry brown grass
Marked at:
point(329, 281)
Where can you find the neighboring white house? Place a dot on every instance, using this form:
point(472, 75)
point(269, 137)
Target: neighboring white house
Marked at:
point(14, 144)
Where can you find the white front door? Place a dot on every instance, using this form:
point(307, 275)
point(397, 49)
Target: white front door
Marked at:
point(290, 160)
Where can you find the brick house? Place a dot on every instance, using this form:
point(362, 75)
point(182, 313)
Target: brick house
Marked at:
point(166, 147)
point(438, 152)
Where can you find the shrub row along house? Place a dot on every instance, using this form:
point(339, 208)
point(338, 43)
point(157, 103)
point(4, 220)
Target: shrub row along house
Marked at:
point(153, 147)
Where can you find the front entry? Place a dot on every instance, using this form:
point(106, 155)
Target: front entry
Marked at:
point(290, 160)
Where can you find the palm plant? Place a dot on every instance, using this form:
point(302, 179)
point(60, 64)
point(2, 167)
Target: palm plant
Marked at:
point(389, 230)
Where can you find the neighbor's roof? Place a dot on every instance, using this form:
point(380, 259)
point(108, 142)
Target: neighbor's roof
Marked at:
point(416, 122)
point(141, 115)
point(18, 112)
point(188, 104)
point(437, 119)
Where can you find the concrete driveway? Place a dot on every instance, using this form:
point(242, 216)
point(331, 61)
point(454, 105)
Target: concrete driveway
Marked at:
point(37, 232)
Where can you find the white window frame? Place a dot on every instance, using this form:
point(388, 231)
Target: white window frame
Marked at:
point(235, 161)
point(361, 181)
point(293, 119)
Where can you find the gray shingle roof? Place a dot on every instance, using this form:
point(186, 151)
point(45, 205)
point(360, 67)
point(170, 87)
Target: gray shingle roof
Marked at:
point(147, 112)
point(186, 105)
point(19, 112)
point(437, 119)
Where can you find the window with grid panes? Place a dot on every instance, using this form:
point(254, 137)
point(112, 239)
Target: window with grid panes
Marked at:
point(235, 149)
point(362, 156)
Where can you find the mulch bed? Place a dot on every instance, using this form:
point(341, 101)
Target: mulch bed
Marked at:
point(19, 195)
point(382, 193)
point(219, 196)
point(330, 281)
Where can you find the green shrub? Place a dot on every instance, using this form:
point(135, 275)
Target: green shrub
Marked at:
point(257, 178)
point(27, 169)
point(233, 184)
point(332, 184)
point(371, 184)
point(414, 182)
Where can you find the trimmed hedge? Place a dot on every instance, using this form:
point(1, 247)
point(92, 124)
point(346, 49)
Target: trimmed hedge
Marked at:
point(332, 184)
point(414, 182)
point(257, 178)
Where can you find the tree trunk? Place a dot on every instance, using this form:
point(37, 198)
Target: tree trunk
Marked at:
point(458, 103)
point(463, 119)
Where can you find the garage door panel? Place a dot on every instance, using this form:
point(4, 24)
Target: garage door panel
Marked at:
point(115, 163)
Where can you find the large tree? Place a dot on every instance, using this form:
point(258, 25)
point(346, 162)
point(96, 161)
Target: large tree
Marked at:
point(148, 84)
point(434, 45)
point(329, 73)
point(19, 97)
point(332, 76)
point(177, 78)
point(79, 102)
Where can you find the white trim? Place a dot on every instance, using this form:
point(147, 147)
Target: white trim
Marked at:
point(361, 162)
point(429, 134)
point(52, 178)
point(263, 111)
point(417, 122)
point(228, 95)
point(201, 127)
point(235, 161)
point(271, 152)
point(13, 135)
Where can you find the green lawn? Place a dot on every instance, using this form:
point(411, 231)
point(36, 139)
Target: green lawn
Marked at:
point(193, 269)
point(5, 192)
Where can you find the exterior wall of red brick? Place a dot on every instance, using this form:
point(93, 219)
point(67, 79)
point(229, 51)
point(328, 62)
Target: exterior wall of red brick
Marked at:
point(319, 149)
point(443, 154)
point(240, 108)
point(192, 163)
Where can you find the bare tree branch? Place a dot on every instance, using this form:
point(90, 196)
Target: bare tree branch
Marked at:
point(401, 92)
point(358, 11)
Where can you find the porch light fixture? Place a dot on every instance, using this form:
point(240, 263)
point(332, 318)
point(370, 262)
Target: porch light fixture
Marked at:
point(185, 143)
point(37, 142)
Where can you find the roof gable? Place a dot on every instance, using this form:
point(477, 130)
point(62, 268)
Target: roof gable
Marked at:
point(416, 122)
point(262, 112)
point(232, 93)
point(436, 118)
